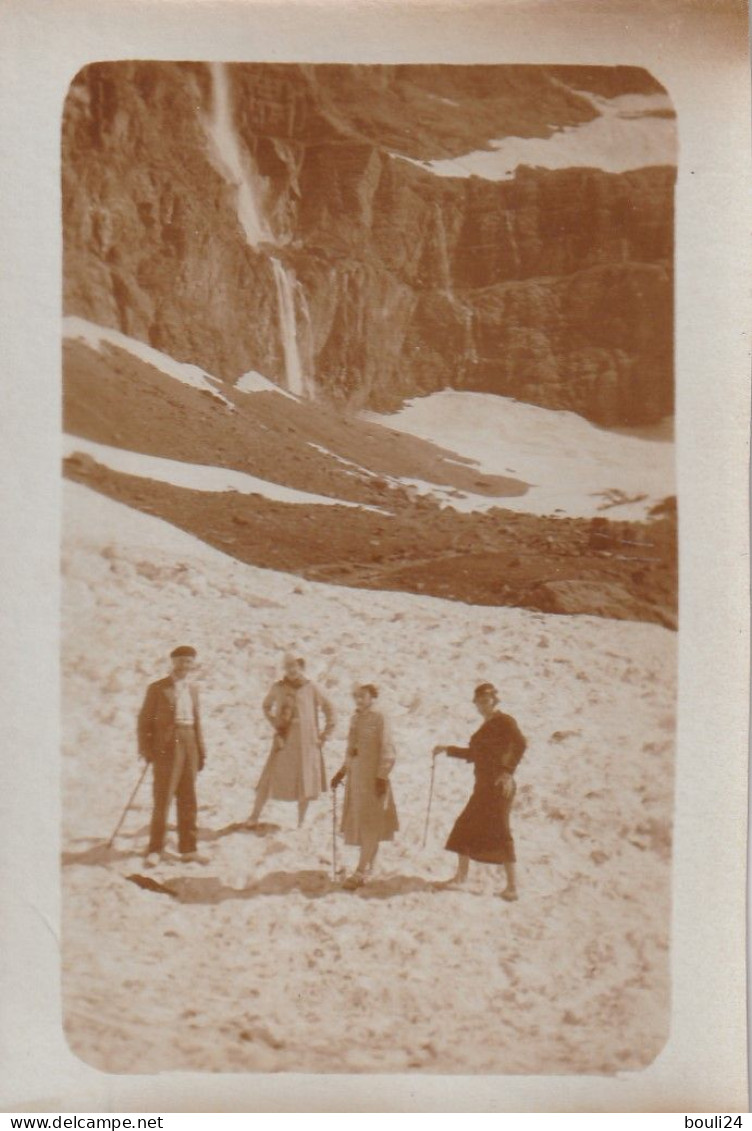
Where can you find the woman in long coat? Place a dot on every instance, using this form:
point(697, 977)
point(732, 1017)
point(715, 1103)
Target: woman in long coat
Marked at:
point(369, 814)
point(294, 770)
point(482, 831)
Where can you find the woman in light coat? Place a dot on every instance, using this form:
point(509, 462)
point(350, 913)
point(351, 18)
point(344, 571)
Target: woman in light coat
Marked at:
point(294, 770)
point(369, 814)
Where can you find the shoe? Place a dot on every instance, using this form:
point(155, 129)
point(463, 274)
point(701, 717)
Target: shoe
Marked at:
point(152, 859)
point(193, 858)
point(353, 882)
point(452, 884)
point(509, 896)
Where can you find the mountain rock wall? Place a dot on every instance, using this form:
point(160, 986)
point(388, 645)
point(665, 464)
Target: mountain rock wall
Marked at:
point(554, 287)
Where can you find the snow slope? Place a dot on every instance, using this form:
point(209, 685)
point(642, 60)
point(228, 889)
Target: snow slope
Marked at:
point(264, 964)
point(569, 463)
point(196, 476)
point(96, 336)
point(572, 466)
point(630, 132)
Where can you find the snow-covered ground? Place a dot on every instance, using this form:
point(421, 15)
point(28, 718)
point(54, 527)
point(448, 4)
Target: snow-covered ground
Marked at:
point(264, 964)
point(95, 336)
point(253, 382)
point(196, 476)
point(572, 466)
point(627, 134)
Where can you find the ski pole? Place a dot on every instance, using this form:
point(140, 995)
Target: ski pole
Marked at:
point(334, 833)
point(430, 796)
point(131, 799)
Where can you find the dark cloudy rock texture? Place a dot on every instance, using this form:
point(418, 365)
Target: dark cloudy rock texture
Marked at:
point(554, 287)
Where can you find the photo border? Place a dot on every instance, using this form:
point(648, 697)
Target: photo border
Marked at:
point(699, 53)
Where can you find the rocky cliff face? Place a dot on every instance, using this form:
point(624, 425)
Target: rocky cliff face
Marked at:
point(554, 287)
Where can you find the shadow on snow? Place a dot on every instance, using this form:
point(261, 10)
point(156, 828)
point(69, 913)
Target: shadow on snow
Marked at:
point(311, 884)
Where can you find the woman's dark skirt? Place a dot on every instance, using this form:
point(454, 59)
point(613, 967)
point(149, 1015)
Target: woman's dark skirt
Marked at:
point(482, 829)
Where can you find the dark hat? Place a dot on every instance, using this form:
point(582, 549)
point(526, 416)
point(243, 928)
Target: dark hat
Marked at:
point(183, 650)
point(484, 689)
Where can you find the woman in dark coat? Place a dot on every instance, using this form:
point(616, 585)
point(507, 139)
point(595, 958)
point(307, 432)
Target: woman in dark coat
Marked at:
point(482, 832)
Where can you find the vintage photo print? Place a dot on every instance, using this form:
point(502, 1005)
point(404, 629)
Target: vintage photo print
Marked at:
point(378, 750)
point(368, 397)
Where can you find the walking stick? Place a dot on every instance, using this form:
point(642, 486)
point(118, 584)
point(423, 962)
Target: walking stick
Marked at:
point(334, 833)
point(430, 796)
point(131, 799)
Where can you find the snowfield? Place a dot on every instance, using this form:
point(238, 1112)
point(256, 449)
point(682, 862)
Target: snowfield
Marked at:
point(258, 961)
point(582, 464)
point(631, 131)
point(197, 476)
point(563, 464)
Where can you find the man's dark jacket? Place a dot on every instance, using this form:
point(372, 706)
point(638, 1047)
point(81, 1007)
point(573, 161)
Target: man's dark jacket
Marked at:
point(156, 722)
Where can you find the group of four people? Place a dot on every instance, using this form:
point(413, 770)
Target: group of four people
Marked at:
point(170, 738)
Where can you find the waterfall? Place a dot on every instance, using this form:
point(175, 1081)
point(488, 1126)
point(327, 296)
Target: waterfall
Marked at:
point(285, 284)
point(236, 166)
point(471, 351)
point(233, 165)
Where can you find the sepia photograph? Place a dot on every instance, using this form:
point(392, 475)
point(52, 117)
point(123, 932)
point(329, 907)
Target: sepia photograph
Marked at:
point(369, 567)
point(376, 564)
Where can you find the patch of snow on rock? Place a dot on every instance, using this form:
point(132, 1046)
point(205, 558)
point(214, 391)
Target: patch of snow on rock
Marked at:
point(628, 133)
point(95, 336)
point(195, 476)
point(572, 466)
point(253, 382)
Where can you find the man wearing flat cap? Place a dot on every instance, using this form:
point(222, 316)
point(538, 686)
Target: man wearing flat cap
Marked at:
point(482, 831)
point(170, 739)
